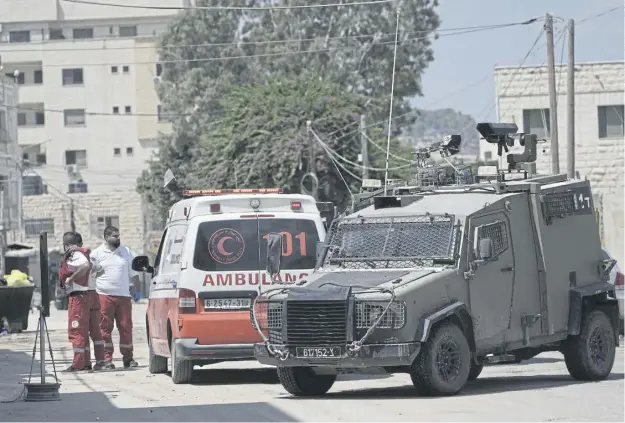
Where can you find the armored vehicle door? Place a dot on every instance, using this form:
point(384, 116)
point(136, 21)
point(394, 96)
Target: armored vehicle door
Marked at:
point(490, 275)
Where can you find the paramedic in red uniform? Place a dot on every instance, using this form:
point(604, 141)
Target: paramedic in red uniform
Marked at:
point(113, 272)
point(74, 276)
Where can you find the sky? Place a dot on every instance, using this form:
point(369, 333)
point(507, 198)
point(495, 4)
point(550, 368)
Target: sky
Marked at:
point(463, 60)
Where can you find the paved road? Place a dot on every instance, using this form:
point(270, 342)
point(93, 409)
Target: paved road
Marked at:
point(539, 390)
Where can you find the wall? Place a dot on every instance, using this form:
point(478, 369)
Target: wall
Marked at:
point(87, 208)
point(600, 160)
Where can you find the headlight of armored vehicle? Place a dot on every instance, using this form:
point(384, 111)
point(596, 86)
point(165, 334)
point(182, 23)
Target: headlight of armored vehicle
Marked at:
point(368, 312)
point(268, 314)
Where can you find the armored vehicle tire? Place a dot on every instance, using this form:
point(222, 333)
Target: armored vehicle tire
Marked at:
point(475, 371)
point(156, 363)
point(303, 382)
point(442, 367)
point(181, 370)
point(590, 355)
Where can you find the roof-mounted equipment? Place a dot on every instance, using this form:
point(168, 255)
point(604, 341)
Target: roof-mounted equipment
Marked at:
point(504, 134)
point(200, 192)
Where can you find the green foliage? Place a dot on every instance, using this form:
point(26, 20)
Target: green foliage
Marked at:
point(432, 125)
point(244, 106)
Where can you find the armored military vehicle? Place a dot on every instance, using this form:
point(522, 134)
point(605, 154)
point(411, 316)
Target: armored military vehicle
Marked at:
point(437, 279)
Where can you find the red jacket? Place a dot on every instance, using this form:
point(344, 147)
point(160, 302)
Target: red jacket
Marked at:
point(65, 272)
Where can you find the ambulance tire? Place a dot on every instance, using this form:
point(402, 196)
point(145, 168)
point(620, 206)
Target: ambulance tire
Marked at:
point(304, 382)
point(181, 370)
point(156, 363)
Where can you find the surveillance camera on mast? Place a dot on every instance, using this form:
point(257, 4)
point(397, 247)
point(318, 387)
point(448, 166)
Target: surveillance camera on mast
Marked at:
point(504, 135)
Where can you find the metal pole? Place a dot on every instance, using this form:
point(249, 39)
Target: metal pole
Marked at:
point(553, 101)
point(42, 346)
point(570, 93)
point(390, 111)
point(313, 161)
point(364, 149)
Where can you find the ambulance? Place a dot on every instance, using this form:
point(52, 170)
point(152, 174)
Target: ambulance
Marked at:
point(210, 266)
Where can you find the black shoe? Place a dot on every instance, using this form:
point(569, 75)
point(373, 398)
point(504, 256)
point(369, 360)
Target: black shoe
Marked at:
point(105, 365)
point(130, 363)
point(72, 369)
point(99, 366)
point(88, 367)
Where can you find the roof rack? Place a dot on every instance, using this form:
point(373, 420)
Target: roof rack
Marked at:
point(199, 192)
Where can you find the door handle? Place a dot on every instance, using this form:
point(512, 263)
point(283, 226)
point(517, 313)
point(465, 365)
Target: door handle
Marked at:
point(507, 269)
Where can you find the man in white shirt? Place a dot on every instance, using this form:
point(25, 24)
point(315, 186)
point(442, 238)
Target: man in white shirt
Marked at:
point(112, 265)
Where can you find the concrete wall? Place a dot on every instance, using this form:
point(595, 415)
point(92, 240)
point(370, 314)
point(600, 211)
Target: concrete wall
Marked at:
point(601, 160)
point(126, 207)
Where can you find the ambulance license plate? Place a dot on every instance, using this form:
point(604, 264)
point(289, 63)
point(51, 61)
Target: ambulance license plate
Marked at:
point(227, 303)
point(318, 352)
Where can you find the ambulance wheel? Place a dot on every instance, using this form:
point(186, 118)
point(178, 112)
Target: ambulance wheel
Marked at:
point(157, 364)
point(304, 382)
point(181, 370)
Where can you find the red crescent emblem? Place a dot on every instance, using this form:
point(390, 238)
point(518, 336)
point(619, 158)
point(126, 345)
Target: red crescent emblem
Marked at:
point(217, 246)
point(220, 246)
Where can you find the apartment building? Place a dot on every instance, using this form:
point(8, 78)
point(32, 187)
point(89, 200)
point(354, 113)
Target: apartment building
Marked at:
point(88, 114)
point(523, 98)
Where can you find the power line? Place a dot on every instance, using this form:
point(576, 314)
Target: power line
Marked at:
point(598, 15)
point(246, 8)
point(284, 53)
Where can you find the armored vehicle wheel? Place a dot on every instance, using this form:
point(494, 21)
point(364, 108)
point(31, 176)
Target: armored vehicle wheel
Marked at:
point(590, 355)
point(475, 371)
point(443, 365)
point(156, 363)
point(181, 370)
point(303, 382)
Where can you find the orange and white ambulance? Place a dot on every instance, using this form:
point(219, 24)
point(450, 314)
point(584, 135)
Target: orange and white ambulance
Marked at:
point(210, 266)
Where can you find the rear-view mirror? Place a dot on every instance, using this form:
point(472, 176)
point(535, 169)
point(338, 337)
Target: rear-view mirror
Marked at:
point(274, 254)
point(142, 264)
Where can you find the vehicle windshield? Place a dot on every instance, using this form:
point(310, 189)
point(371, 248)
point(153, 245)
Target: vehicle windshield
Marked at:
point(237, 245)
point(392, 242)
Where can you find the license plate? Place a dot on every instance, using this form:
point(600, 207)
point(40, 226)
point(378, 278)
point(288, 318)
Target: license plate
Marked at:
point(318, 352)
point(228, 303)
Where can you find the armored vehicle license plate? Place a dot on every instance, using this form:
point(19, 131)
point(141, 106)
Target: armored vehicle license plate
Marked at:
point(228, 303)
point(318, 352)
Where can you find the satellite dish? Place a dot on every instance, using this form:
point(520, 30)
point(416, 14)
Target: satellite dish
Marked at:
point(168, 178)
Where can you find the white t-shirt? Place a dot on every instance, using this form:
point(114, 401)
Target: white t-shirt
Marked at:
point(113, 270)
point(76, 259)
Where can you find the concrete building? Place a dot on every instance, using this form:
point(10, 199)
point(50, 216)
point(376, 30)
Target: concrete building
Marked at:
point(599, 133)
point(88, 107)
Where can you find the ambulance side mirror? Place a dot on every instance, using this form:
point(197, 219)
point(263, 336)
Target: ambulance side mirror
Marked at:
point(142, 264)
point(274, 254)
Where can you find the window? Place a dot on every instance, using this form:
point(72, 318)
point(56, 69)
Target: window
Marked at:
point(74, 117)
point(76, 157)
point(163, 114)
point(19, 36)
point(241, 244)
point(159, 253)
point(3, 121)
point(117, 152)
point(159, 69)
point(34, 227)
point(610, 121)
point(56, 34)
point(115, 110)
point(125, 69)
point(72, 76)
point(81, 33)
point(103, 221)
point(113, 69)
point(498, 234)
point(127, 109)
point(536, 121)
point(40, 118)
point(38, 76)
point(21, 118)
point(129, 151)
point(20, 79)
point(128, 31)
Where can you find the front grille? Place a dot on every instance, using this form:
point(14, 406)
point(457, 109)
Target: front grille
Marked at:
point(313, 323)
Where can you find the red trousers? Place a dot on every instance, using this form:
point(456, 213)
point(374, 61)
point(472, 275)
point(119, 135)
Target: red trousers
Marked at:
point(118, 310)
point(83, 321)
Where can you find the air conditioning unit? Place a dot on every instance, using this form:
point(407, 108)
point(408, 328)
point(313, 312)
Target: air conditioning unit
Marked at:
point(71, 168)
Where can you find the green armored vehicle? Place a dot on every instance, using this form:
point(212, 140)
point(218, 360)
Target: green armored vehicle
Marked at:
point(434, 280)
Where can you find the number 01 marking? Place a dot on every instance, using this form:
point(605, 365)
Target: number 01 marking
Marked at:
point(287, 243)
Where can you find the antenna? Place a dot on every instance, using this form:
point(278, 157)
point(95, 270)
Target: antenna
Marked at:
point(390, 111)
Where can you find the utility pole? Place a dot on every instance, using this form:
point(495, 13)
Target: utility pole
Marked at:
point(364, 149)
point(570, 97)
point(553, 100)
point(312, 165)
point(72, 218)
